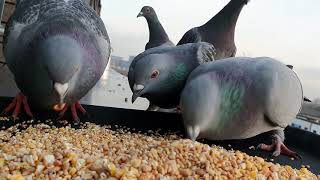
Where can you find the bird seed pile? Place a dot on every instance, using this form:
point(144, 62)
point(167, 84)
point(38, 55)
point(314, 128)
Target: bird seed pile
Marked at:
point(95, 152)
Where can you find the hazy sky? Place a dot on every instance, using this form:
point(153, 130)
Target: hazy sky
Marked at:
point(288, 30)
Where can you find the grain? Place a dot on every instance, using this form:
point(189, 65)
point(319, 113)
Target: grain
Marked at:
point(95, 152)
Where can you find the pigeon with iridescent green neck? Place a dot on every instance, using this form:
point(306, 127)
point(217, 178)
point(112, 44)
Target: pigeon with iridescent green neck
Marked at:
point(159, 74)
point(157, 37)
point(238, 98)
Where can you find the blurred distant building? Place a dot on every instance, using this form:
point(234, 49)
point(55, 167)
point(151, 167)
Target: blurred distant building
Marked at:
point(6, 9)
point(120, 65)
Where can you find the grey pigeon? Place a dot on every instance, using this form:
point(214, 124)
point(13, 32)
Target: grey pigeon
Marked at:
point(157, 37)
point(57, 51)
point(157, 34)
point(160, 73)
point(239, 98)
point(218, 31)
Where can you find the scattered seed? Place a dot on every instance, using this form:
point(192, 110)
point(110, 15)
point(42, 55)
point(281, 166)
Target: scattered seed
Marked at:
point(95, 152)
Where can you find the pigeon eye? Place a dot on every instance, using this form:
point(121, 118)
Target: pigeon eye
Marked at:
point(148, 10)
point(154, 74)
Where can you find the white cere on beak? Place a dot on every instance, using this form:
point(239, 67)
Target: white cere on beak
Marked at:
point(140, 14)
point(193, 132)
point(61, 89)
point(138, 87)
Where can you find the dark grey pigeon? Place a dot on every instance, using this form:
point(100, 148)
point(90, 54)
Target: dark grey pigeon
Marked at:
point(157, 37)
point(57, 51)
point(218, 31)
point(239, 98)
point(159, 74)
point(157, 34)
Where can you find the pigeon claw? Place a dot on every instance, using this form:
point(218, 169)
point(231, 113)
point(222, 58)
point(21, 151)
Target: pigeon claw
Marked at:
point(74, 107)
point(15, 105)
point(278, 148)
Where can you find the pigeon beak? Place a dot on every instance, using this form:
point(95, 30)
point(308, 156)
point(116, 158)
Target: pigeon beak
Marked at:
point(137, 92)
point(140, 14)
point(61, 90)
point(306, 99)
point(193, 132)
point(290, 66)
point(59, 107)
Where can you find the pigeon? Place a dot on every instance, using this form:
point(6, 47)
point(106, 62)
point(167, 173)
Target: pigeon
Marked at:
point(157, 34)
point(157, 37)
point(218, 31)
point(57, 50)
point(159, 74)
point(241, 97)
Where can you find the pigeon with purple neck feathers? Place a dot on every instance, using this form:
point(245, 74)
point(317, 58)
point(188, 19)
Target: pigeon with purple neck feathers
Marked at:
point(57, 50)
point(239, 98)
point(160, 73)
point(157, 34)
point(218, 31)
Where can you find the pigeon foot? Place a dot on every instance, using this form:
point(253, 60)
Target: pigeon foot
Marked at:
point(74, 107)
point(278, 148)
point(16, 103)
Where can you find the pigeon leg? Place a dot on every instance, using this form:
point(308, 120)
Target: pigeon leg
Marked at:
point(74, 113)
point(81, 109)
point(74, 108)
point(278, 146)
point(16, 104)
point(63, 111)
point(77, 106)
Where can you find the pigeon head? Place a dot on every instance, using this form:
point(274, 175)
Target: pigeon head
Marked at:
point(61, 57)
point(56, 59)
point(147, 12)
point(157, 75)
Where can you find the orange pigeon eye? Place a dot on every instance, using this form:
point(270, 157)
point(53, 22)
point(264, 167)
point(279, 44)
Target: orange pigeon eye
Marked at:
point(154, 74)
